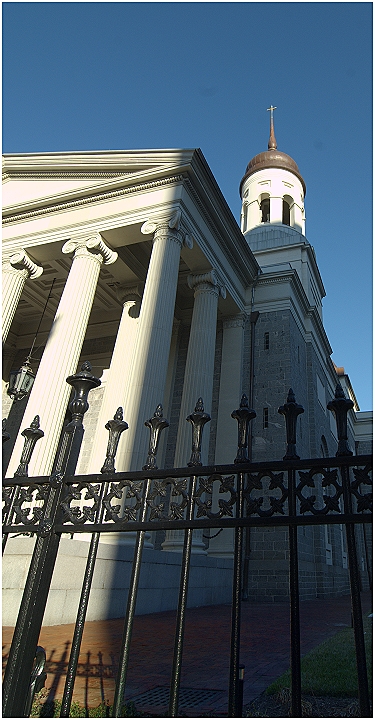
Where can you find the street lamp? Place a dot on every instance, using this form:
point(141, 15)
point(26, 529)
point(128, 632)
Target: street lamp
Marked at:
point(22, 380)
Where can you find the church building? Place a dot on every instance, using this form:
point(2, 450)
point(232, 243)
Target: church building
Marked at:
point(133, 261)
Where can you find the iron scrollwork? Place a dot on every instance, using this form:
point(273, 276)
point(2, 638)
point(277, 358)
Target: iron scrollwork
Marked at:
point(204, 508)
point(124, 490)
point(76, 514)
point(26, 495)
point(308, 503)
point(254, 504)
point(362, 477)
point(159, 490)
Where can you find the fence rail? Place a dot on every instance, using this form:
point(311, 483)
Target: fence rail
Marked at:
point(288, 493)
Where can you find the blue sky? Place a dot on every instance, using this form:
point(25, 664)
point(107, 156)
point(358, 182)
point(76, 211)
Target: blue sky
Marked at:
point(99, 76)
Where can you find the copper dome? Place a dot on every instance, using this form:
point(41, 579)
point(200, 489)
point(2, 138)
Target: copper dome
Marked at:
point(273, 158)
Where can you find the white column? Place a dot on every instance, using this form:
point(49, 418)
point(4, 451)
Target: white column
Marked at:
point(149, 368)
point(50, 393)
point(198, 380)
point(253, 215)
point(118, 380)
point(276, 209)
point(231, 388)
point(16, 268)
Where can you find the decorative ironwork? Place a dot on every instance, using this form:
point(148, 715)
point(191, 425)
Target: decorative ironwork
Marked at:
point(82, 382)
point(288, 493)
point(362, 477)
point(30, 495)
point(198, 419)
point(291, 410)
point(124, 490)
point(227, 485)
point(31, 435)
point(331, 502)
point(156, 424)
point(159, 490)
point(243, 416)
point(77, 514)
point(340, 407)
point(115, 428)
point(255, 505)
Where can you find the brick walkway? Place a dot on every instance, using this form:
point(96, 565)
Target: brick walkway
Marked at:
point(264, 650)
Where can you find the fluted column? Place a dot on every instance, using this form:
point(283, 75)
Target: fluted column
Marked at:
point(16, 268)
point(199, 369)
point(118, 380)
point(231, 389)
point(50, 393)
point(198, 379)
point(149, 368)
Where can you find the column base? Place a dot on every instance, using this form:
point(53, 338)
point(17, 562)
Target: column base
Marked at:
point(111, 538)
point(174, 542)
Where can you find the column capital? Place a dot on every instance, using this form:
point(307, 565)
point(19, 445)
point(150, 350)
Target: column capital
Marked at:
point(129, 293)
point(234, 321)
point(20, 261)
point(208, 282)
point(92, 245)
point(163, 225)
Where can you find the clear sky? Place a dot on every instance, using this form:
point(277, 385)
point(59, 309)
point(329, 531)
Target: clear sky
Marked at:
point(100, 76)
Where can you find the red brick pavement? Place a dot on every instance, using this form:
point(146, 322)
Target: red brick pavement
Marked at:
point(264, 649)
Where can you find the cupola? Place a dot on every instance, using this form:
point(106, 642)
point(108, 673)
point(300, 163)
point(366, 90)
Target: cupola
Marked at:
point(272, 189)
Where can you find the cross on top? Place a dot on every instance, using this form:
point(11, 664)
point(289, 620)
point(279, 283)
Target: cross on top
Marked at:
point(271, 109)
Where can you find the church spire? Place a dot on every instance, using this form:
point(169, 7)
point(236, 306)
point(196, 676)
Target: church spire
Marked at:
point(272, 144)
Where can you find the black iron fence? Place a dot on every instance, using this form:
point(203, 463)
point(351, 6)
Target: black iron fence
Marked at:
point(320, 491)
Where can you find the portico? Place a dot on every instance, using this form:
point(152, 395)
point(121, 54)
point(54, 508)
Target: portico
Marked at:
point(138, 242)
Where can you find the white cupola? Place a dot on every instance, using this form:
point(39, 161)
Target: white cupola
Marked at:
point(272, 189)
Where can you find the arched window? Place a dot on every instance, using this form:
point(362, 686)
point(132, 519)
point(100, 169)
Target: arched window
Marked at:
point(286, 212)
point(244, 217)
point(265, 208)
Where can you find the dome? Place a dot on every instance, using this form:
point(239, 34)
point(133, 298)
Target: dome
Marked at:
point(272, 158)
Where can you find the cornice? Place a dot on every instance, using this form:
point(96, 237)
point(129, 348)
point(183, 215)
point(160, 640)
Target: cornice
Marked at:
point(59, 175)
point(92, 198)
point(310, 312)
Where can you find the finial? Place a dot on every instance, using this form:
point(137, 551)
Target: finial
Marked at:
point(272, 144)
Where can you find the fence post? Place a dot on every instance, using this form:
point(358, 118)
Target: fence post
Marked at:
point(291, 410)
point(30, 617)
point(31, 435)
point(115, 427)
point(340, 407)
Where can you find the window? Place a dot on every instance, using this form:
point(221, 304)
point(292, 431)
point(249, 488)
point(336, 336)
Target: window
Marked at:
point(265, 418)
point(244, 217)
point(265, 209)
point(286, 212)
point(266, 341)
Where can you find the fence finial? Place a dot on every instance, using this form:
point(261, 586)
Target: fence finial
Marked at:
point(115, 427)
point(198, 419)
point(291, 410)
point(340, 407)
point(156, 424)
point(243, 416)
point(31, 435)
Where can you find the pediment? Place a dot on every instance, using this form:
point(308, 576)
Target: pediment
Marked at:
point(34, 178)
